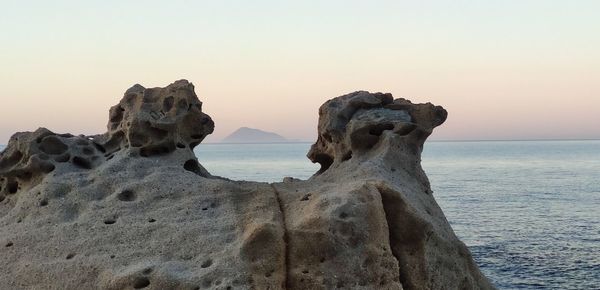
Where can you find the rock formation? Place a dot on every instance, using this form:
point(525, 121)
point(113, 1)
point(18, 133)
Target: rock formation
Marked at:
point(133, 209)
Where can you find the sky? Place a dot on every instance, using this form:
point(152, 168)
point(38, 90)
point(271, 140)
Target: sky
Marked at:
point(521, 69)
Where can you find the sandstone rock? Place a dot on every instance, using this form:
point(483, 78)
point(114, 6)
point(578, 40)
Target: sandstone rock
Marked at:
point(157, 121)
point(133, 209)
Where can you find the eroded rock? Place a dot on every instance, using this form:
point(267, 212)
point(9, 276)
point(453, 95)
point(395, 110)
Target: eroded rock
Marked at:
point(369, 210)
point(351, 125)
point(133, 209)
point(157, 120)
point(32, 155)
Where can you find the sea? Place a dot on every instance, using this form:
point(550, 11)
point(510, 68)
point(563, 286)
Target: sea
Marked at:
point(529, 211)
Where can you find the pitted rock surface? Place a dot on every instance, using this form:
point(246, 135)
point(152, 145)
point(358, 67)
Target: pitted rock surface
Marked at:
point(353, 124)
point(32, 155)
point(157, 121)
point(133, 209)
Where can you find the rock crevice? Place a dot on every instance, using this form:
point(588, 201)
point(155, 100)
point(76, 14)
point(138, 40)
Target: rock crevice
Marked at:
point(286, 257)
point(132, 208)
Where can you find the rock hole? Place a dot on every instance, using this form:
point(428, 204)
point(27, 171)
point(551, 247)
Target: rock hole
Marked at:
point(99, 147)
point(378, 129)
point(151, 220)
point(137, 138)
point(197, 136)
point(110, 221)
point(343, 215)
point(193, 166)
point(406, 129)
point(44, 202)
point(12, 187)
point(156, 133)
point(141, 282)
point(168, 103)
point(347, 156)
point(325, 161)
point(82, 162)
point(367, 140)
point(53, 146)
point(9, 244)
point(154, 150)
point(49, 168)
point(207, 263)
point(27, 174)
point(116, 114)
point(306, 197)
point(70, 256)
point(2, 197)
point(112, 256)
point(180, 145)
point(182, 105)
point(63, 158)
point(304, 271)
point(126, 195)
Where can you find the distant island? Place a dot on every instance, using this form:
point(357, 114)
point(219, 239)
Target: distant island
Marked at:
point(251, 135)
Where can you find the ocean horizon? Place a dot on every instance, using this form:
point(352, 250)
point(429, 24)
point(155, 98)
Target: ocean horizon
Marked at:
point(428, 141)
point(3, 146)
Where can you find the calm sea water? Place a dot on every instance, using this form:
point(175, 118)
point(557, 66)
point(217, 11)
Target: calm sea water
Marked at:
point(528, 210)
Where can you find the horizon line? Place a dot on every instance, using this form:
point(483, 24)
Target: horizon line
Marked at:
point(441, 140)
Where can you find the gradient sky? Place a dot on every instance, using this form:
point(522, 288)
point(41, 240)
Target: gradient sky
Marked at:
point(503, 69)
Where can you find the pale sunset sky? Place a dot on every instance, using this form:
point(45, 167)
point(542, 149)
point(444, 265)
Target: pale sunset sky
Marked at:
point(503, 69)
